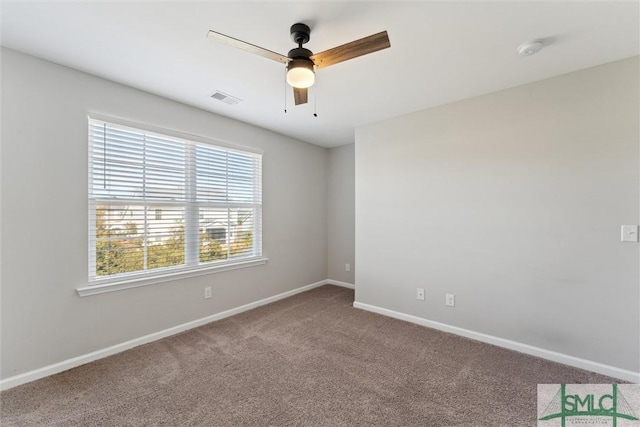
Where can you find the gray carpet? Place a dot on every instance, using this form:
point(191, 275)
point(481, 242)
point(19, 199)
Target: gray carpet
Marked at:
point(311, 359)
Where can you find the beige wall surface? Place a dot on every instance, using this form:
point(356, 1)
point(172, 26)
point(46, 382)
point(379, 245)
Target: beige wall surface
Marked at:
point(44, 217)
point(341, 213)
point(512, 201)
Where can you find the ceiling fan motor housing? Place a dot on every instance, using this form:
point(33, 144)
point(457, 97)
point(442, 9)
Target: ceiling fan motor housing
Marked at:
point(299, 53)
point(300, 58)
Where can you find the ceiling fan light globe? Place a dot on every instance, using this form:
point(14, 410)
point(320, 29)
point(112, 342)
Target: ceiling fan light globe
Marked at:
point(300, 74)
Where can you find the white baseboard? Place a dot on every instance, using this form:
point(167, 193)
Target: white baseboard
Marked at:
point(46, 371)
point(565, 359)
point(339, 283)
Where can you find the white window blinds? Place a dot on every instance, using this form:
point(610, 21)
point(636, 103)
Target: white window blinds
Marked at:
point(159, 204)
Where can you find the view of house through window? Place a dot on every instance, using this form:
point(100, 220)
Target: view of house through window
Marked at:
point(158, 202)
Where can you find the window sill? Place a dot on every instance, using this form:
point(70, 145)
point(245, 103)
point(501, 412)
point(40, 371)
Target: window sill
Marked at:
point(102, 288)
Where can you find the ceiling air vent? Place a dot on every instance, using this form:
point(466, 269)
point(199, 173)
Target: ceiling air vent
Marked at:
point(227, 99)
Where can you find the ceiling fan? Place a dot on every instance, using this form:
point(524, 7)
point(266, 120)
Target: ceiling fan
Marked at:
point(301, 62)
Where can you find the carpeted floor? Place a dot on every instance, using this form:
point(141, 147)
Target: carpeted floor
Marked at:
point(311, 359)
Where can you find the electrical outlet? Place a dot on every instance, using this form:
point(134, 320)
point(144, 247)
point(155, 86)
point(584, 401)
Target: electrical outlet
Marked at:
point(207, 292)
point(450, 300)
point(347, 267)
point(420, 294)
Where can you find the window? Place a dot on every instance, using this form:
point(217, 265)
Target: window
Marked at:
point(161, 204)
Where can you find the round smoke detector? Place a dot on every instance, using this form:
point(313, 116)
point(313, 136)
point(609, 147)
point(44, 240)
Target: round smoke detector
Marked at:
point(530, 48)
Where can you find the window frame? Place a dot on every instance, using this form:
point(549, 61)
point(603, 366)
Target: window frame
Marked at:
point(118, 281)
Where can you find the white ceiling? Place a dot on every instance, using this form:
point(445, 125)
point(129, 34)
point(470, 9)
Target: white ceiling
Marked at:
point(440, 52)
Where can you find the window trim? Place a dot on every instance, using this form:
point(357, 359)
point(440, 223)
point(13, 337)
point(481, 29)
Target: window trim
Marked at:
point(138, 280)
point(100, 285)
point(172, 133)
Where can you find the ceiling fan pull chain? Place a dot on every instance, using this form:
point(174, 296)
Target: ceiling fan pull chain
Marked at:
point(285, 90)
point(315, 99)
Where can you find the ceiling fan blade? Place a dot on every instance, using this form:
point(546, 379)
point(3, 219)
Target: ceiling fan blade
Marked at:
point(248, 47)
point(356, 48)
point(300, 95)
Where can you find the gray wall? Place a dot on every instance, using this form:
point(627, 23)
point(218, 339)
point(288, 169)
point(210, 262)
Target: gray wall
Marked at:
point(44, 218)
point(512, 201)
point(341, 213)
